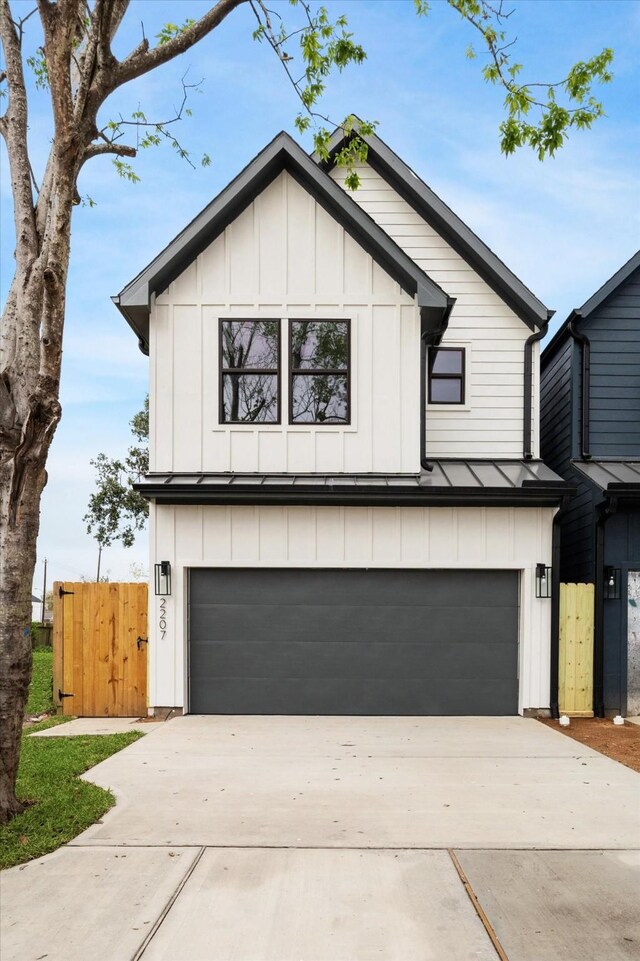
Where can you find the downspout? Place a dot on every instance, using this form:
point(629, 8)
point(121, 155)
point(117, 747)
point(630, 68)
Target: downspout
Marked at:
point(605, 511)
point(555, 608)
point(585, 345)
point(430, 336)
point(528, 387)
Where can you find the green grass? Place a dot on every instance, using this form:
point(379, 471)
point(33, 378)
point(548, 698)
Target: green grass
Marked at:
point(62, 805)
point(41, 690)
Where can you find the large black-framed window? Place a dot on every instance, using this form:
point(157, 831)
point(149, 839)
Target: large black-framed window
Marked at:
point(320, 371)
point(447, 375)
point(249, 371)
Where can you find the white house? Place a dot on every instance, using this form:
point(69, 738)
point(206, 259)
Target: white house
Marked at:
point(345, 481)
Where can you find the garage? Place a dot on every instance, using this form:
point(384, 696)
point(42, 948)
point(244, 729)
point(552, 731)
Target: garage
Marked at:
point(367, 642)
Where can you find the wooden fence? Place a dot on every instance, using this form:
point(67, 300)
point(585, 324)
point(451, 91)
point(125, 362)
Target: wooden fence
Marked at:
point(575, 675)
point(100, 649)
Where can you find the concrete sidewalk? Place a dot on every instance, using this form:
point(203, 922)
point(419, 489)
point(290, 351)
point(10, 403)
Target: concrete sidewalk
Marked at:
point(325, 839)
point(81, 726)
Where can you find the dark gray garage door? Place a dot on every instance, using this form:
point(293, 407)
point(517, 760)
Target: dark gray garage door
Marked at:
point(353, 642)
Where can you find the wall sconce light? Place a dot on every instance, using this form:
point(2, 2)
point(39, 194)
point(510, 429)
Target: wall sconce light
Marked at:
point(163, 578)
point(543, 580)
point(612, 583)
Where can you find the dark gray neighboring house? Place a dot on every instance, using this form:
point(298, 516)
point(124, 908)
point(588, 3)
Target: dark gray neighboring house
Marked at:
point(590, 435)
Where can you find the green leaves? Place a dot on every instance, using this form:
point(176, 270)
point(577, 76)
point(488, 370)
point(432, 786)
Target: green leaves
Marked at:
point(116, 511)
point(171, 30)
point(554, 119)
point(324, 45)
point(125, 170)
point(38, 64)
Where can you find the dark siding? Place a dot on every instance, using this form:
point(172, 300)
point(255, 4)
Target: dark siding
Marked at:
point(622, 550)
point(555, 408)
point(614, 332)
point(559, 434)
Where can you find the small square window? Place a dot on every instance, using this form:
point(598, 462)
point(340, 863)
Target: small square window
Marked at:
point(446, 375)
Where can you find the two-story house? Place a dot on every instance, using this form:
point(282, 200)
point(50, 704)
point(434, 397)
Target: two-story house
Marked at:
point(345, 480)
point(591, 436)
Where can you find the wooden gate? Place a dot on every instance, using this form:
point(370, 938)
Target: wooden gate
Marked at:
point(575, 675)
point(100, 649)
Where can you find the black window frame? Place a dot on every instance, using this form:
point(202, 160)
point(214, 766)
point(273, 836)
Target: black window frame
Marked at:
point(461, 377)
point(315, 372)
point(222, 370)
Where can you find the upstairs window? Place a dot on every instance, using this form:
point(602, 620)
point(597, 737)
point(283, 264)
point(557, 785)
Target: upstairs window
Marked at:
point(446, 375)
point(319, 352)
point(249, 371)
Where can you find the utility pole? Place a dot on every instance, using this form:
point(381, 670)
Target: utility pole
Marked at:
point(99, 557)
point(44, 591)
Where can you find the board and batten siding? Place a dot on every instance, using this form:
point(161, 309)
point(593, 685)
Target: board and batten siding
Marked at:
point(490, 423)
point(284, 256)
point(338, 537)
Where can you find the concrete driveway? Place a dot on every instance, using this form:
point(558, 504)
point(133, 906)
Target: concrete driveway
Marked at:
point(251, 838)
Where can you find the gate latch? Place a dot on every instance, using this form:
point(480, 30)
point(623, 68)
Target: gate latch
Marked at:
point(141, 640)
point(61, 694)
point(62, 592)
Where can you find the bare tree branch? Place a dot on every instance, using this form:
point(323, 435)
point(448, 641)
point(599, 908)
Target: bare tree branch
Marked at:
point(142, 59)
point(108, 147)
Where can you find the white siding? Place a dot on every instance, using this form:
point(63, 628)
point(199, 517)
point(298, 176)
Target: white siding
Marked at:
point(460, 538)
point(284, 257)
point(490, 423)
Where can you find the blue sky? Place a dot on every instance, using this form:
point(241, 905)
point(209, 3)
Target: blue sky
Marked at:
point(564, 226)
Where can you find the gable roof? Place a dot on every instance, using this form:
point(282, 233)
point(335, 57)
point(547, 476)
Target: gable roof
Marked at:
point(463, 240)
point(592, 304)
point(283, 153)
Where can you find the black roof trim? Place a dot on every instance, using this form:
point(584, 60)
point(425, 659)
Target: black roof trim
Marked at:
point(593, 303)
point(434, 210)
point(283, 153)
point(450, 483)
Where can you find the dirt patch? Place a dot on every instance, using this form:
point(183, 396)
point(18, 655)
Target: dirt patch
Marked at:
point(619, 743)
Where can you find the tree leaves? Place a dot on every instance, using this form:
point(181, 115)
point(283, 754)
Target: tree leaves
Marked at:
point(554, 120)
point(116, 511)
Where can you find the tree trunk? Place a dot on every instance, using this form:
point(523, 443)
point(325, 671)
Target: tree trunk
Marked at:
point(30, 357)
point(18, 553)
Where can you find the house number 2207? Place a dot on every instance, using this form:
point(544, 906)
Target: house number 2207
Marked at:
point(162, 621)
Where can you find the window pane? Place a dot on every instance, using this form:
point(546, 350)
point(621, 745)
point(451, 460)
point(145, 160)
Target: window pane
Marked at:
point(448, 362)
point(446, 391)
point(250, 397)
point(319, 345)
point(250, 343)
point(319, 399)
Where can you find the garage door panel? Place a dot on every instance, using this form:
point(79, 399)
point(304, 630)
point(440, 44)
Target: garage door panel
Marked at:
point(366, 587)
point(355, 659)
point(337, 696)
point(265, 641)
point(270, 622)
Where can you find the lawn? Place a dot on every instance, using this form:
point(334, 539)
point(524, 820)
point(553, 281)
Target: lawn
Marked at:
point(41, 690)
point(61, 805)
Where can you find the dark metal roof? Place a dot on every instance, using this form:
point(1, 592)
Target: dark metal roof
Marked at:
point(621, 477)
point(595, 301)
point(452, 482)
point(283, 153)
point(434, 210)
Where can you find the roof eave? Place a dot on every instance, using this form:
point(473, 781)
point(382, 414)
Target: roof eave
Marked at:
point(407, 183)
point(283, 153)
